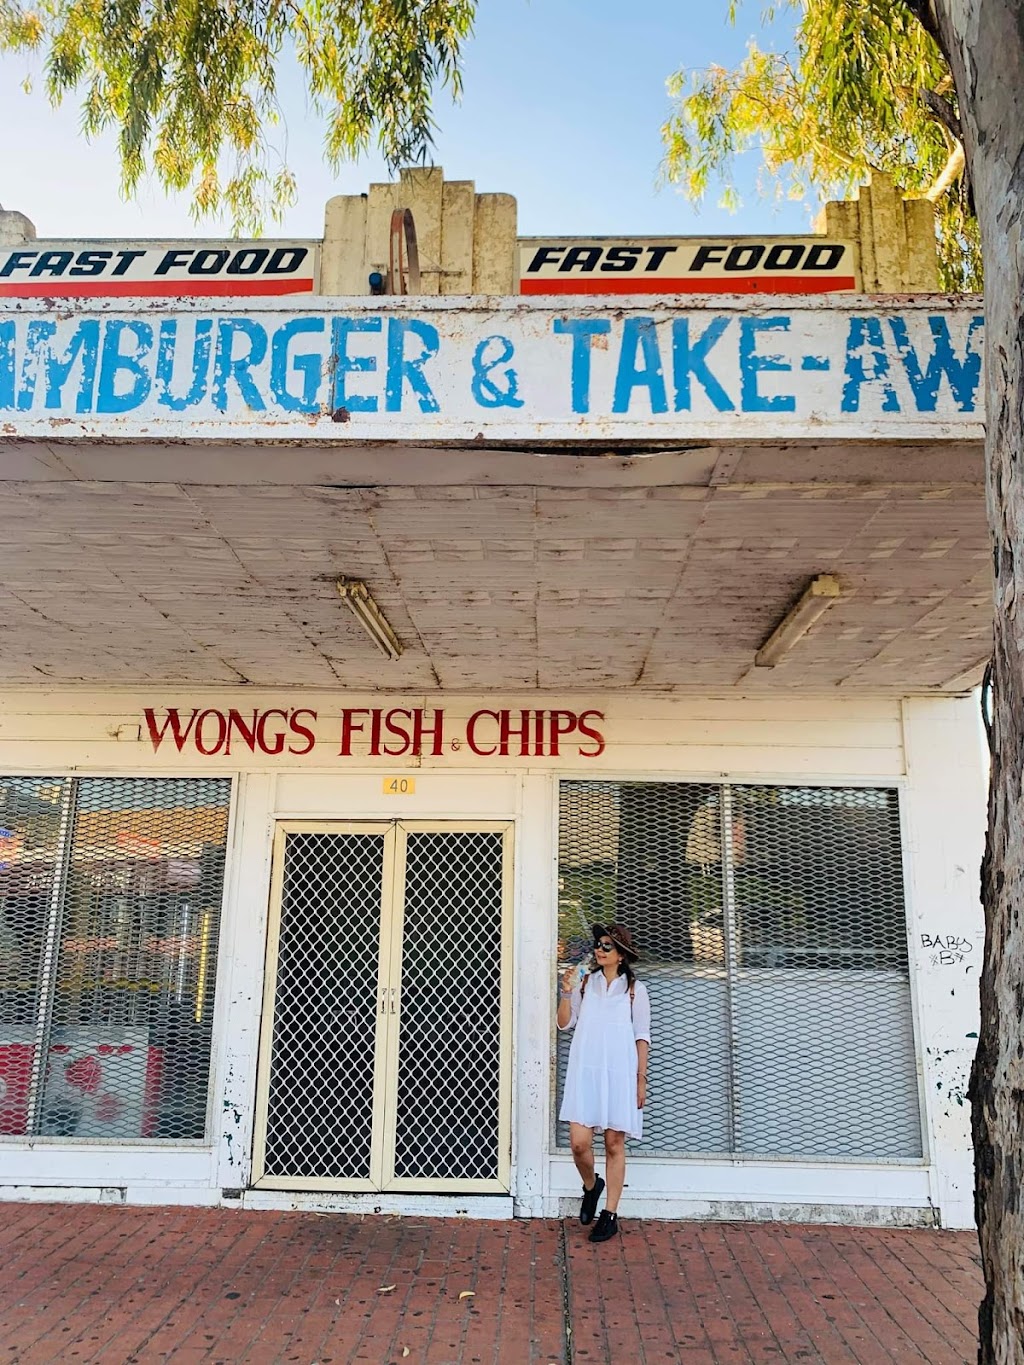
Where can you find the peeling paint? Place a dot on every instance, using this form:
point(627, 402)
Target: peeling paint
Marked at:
point(429, 370)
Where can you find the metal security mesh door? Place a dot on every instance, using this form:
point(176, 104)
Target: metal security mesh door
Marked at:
point(317, 1110)
point(448, 1113)
point(773, 932)
point(110, 899)
point(385, 1057)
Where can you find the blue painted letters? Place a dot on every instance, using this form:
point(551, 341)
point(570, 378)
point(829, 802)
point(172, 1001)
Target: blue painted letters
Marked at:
point(638, 334)
point(752, 364)
point(345, 364)
point(867, 362)
point(622, 367)
point(43, 361)
point(491, 358)
point(125, 379)
point(308, 366)
point(963, 374)
point(581, 330)
point(408, 369)
point(7, 363)
point(239, 366)
point(691, 358)
point(167, 355)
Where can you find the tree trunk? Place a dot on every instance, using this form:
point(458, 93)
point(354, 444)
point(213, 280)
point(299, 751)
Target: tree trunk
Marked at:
point(984, 40)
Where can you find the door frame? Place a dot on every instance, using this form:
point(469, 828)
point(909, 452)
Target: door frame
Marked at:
point(388, 995)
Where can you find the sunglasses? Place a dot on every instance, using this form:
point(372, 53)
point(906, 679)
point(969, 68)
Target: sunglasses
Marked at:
point(604, 946)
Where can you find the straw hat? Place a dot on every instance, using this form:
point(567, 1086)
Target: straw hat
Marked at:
point(620, 936)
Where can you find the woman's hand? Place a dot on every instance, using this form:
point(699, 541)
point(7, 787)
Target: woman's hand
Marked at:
point(641, 1091)
point(569, 980)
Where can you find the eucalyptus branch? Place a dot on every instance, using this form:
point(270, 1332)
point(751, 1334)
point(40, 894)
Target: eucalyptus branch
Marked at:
point(926, 14)
point(956, 167)
point(954, 170)
point(945, 113)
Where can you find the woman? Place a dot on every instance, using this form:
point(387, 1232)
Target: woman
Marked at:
point(606, 1082)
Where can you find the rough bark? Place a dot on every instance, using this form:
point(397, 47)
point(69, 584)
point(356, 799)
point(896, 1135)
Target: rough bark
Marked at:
point(984, 40)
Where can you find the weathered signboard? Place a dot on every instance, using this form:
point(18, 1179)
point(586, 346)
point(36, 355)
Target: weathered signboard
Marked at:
point(684, 265)
point(411, 369)
point(82, 269)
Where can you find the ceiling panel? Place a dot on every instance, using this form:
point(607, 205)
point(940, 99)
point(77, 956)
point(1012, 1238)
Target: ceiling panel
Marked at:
point(525, 586)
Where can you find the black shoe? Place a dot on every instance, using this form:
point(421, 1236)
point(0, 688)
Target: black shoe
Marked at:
point(607, 1227)
point(588, 1204)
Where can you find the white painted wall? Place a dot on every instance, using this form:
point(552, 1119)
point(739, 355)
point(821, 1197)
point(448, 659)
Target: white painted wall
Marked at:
point(930, 747)
point(944, 840)
point(860, 737)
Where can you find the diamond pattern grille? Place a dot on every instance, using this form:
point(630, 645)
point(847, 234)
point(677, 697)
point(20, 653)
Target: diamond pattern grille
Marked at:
point(450, 1031)
point(320, 1108)
point(330, 1097)
point(110, 898)
point(773, 932)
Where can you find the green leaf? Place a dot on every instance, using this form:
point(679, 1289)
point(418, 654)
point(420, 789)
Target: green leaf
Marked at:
point(190, 86)
point(845, 101)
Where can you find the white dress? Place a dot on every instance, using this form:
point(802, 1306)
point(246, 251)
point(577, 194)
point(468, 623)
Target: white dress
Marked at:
point(600, 1083)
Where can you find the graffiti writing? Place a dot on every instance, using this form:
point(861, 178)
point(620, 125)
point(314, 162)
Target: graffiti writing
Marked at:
point(946, 950)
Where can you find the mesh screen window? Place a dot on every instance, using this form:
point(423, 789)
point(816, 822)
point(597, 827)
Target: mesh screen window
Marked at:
point(772, 931)
point(110, 899)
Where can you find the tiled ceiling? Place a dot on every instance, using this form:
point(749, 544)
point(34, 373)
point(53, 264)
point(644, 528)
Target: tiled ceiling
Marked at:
point(559, 588)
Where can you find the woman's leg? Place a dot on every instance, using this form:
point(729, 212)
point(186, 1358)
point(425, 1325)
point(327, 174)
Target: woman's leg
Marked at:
point(615, 1167)
point(581, 1140)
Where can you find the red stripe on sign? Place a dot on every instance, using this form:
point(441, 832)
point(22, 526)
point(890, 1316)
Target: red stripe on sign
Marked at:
point(694, 284)
point(57, 289)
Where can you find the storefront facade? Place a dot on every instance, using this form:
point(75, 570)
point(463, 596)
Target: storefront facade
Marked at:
point(801, 1071)
point(282, 919)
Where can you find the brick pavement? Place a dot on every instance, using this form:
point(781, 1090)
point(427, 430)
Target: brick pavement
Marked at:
point(718, 1293)
point(134, 1286)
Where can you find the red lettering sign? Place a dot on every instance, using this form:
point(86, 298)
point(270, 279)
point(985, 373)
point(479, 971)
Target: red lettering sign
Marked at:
point(377, 732)
point(213, 731)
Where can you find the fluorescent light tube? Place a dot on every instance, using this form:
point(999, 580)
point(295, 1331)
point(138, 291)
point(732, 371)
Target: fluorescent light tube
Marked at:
point(355, 592)
point(820, 594)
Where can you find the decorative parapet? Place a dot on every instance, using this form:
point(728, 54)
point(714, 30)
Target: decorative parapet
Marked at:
point(895, 237)
point(466, 241)
point(15, 228)
point(877, 243)
point(427, 236)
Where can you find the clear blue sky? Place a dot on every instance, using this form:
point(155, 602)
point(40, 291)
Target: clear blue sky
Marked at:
point(563, 104)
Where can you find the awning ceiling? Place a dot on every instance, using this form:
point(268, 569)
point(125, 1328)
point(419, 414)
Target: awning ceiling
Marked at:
point(498, 570)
